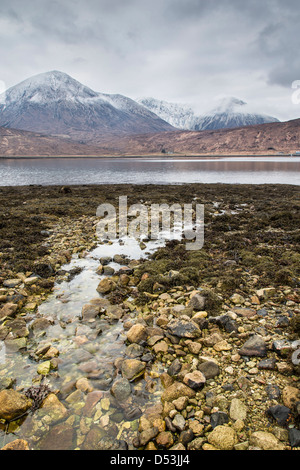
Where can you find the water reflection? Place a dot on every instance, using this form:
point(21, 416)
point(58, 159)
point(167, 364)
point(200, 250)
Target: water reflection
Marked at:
point(237, 170)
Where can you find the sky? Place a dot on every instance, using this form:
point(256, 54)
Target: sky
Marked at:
point(183, 51)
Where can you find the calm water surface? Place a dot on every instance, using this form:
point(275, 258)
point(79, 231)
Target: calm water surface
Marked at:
point(150, 170)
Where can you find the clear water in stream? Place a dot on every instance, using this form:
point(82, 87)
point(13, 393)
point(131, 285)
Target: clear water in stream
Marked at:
point(103, 343)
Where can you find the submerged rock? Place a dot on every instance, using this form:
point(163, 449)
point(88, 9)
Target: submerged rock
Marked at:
point(13, 404)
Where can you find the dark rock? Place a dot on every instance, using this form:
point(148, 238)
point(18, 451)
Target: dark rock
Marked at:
point(175, 368)
point(197, 302)
point(262, 312)
point(43, 270)
point(282, 322)
point(227, 323)
point(184, 329)
point(132, 413)
point(218, 418)
point(267, 364)
point(210, 369)
point(105, 260)
point(255, 346)
point(169, 424)
point(186, 436)
point(294, 437)
point(273, 392)
point(281, 414)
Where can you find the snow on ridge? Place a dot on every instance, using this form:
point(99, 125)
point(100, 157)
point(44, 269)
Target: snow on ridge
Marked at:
point(228, 112)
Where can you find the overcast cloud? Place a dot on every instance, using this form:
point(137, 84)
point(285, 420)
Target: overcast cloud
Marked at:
point(187, 51)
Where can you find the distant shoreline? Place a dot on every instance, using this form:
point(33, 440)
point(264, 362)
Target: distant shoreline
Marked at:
point(167, 157)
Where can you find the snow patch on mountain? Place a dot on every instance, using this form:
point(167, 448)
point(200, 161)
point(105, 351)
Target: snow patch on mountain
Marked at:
point(181, 116)
point(53, 101)
point(228, 112)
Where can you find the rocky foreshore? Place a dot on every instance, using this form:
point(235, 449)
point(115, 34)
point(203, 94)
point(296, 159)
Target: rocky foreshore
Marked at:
point(210, 338)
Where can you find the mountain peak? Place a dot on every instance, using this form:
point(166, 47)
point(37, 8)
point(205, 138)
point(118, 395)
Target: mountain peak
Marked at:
point(55, 103)
point(229, 104)
point(228, 112)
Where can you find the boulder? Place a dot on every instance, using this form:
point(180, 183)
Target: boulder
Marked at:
point(132, 369)
point(121, 389)
point(137, 333)
point(223, 438)
point(13, 404)
point(106, 286)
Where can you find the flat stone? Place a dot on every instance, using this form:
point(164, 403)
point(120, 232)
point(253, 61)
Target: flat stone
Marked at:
point(265, 441)
point(255, 346)
point(14, 345)
point(209, 369)
point(12, 283)
point(267, 364)
point(18, 444)
point(238, 410)
point(160, 347)
point(184, 329)
point(8, 310)
point(245, 312)
point(60, 437)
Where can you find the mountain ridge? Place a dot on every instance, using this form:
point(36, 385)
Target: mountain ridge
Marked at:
point(229, 112)
point(263, 139)
point(55, 103)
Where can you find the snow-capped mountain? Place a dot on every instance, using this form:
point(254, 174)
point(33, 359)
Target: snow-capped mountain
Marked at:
point(55, 103)
point(178, 115)
point(229, 112)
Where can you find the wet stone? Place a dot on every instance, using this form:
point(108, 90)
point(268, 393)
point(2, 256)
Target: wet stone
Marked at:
point(184, 329)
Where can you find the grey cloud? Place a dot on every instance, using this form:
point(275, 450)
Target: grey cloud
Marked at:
point(172, 49)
